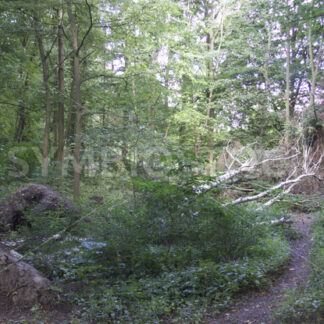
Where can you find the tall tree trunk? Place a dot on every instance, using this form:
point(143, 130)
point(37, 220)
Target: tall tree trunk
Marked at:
point(69, 129)
point(287, 94)
point(265, 72)
point(166, 97)
point(314, 67)
point(210, 40)
point(60, 111)
point(21, 118)
point(78, 123)
point(46, 137)
point(77, 83)
point(21, 112)
point(210, 143)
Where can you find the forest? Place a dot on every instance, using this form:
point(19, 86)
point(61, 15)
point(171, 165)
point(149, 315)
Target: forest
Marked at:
point(161, 161)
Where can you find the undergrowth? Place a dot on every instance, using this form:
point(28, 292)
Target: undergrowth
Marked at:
point(168, 254)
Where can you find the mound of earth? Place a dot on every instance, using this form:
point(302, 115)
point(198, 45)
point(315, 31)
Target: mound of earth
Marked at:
point(32, 198)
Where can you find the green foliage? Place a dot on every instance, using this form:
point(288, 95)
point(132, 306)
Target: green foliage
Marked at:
point(171, 227)
point(25, 160)
point(4, 164)
point(170, 254)
point(185, 294)
point(166, 254)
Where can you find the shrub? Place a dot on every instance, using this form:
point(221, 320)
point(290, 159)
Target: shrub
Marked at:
point(170, 227)
point(170, 255)
point(184, 293)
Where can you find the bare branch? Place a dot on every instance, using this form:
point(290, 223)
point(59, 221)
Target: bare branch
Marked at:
point(88, 31)
point(267, 192)
point(245, 167)
point(280, 221)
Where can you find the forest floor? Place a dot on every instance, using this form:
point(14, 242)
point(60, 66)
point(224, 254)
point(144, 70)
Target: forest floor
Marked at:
point(255, 307)
point(11, 314)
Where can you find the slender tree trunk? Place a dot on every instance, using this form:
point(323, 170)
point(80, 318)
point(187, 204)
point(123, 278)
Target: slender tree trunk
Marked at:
point(78, 123)
point(69, 130)
point(166, 99)
point(210, 144)
point(60, 111)
point(152, 118)
point(46, 137)
point(22, 113)
point(265, 71)
point(211, 110)
point(196, 142)
point(125, 122)
point(314, 66)
point(21, 121)
point(287, 94)
point(55, 115)
point(288, 115)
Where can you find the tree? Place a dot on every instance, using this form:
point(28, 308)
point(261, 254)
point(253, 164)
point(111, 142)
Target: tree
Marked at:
point(44, 59)
point(77, 84)
point(60, 89)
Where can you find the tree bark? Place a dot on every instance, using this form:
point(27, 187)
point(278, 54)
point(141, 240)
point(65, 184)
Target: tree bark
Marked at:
point(314, 66)
point(78, 123)
point(46, 137)
point(77, 83)
point(21, 112)
point(287, 102)
point(287, 94)
point(265, 72)
point(21, 118)
point(60, 111)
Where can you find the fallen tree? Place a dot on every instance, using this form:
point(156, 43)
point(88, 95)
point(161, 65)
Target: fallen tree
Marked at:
point(304, 162)
point(280, 221)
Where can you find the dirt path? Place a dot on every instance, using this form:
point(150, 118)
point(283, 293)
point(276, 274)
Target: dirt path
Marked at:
point(257, 307)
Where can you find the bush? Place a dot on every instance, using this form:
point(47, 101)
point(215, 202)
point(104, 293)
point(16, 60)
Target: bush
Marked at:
point(18, 161)
point(185, 293)
point(170, 227)
point(171, 254)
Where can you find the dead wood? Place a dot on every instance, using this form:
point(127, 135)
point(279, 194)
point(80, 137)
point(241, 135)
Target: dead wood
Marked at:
point(280, 221)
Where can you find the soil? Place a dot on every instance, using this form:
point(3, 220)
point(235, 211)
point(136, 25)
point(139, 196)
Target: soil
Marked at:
point(14, 315)
point(257, 307)
point(252, 308)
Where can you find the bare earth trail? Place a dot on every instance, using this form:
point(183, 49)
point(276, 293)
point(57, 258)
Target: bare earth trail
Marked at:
point(257, 307)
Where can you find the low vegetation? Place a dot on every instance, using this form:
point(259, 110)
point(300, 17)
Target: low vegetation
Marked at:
point(168, 254)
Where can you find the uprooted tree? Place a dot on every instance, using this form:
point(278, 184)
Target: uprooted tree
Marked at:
point(290, 170)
